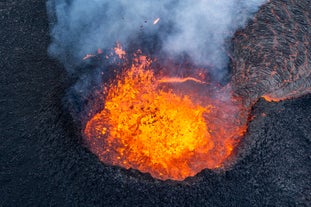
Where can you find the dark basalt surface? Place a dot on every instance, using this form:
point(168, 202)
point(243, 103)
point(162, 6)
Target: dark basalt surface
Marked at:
point(272, 55)
point(43, 162)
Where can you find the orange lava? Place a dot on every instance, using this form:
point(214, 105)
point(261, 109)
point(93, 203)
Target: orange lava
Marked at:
point(271, 99)
point(147, 126)
point(119, 51)
point(179, 80)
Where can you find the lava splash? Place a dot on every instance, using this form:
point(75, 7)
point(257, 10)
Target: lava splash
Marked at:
point(149, 125)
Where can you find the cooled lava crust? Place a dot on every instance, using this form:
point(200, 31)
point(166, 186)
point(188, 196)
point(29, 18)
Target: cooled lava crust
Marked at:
point(272, 55)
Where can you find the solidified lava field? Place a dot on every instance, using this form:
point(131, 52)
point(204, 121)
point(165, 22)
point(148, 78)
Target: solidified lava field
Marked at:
point(272, 55)
point(43, 163)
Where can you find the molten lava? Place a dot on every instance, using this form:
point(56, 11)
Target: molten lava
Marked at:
point(147, 125)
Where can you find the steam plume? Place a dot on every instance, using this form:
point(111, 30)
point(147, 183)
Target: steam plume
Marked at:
point(198, 29)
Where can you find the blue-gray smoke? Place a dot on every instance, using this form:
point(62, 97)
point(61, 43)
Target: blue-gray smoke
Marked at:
point(197, 28)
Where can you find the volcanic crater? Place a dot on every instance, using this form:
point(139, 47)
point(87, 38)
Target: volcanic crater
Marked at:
point(44, 161)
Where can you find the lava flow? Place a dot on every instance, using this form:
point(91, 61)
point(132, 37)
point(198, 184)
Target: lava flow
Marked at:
point(148, 125)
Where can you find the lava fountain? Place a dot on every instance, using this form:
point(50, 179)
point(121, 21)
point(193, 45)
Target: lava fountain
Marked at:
point(150, 124)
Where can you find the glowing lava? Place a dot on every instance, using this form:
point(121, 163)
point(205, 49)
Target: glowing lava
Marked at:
point(150, 127)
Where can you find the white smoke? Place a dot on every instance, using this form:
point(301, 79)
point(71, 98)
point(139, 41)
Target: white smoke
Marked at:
point(197, 28)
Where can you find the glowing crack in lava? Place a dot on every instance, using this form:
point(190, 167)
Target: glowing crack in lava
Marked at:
point(147, 126)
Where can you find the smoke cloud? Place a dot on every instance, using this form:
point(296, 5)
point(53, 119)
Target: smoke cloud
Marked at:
point(198, 29)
